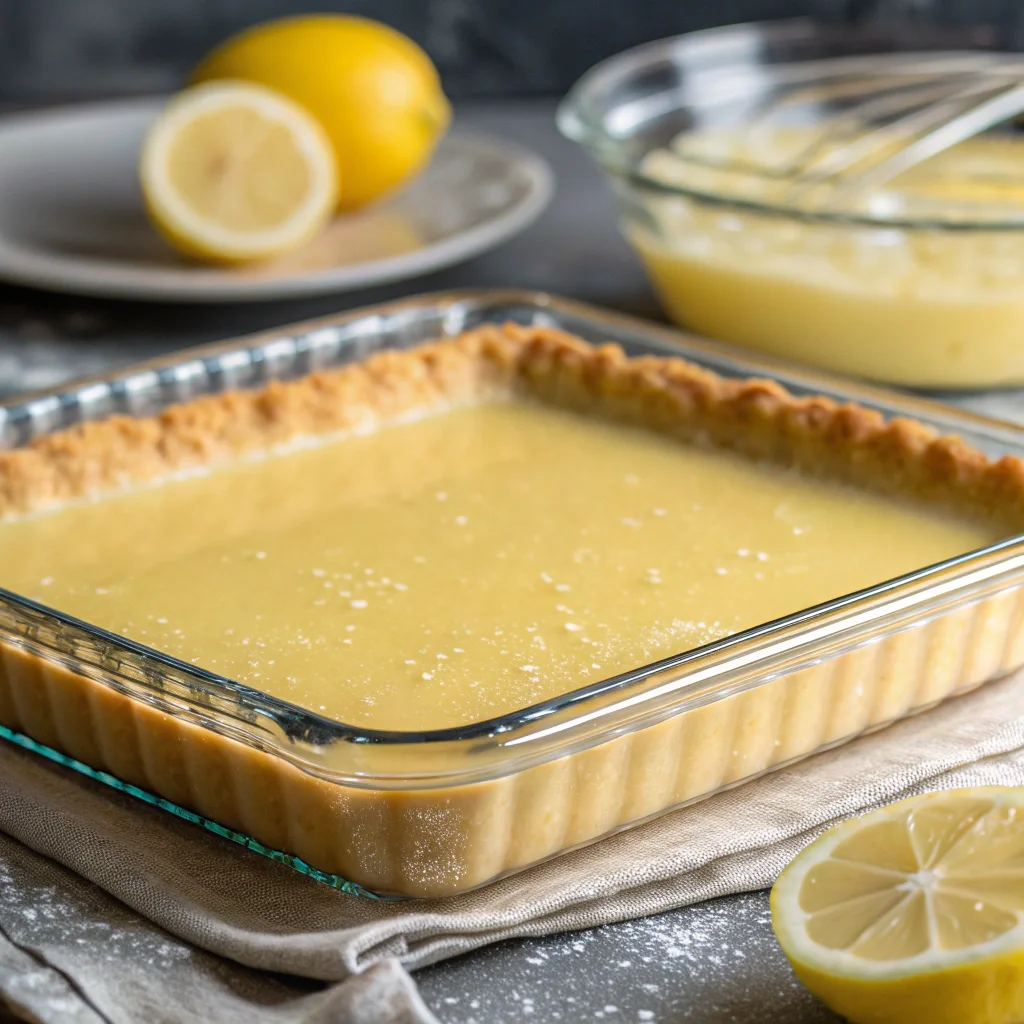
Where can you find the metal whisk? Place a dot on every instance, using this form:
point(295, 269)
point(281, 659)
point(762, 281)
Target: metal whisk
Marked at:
point(876, 117)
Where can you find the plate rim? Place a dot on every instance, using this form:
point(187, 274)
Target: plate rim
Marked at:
point(82, 276)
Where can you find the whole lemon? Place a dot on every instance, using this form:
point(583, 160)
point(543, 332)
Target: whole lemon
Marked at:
point(374, 91)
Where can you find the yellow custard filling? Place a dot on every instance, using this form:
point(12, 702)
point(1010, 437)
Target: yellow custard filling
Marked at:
point(939, 306)
point(461, 566)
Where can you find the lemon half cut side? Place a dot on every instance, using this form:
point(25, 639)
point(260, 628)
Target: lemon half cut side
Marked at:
point(913, 913)
point(233, 172)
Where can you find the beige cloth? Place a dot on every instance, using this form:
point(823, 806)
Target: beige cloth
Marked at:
point(233, 903)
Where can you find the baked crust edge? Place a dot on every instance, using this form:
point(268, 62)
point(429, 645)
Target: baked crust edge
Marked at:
point(758, 418)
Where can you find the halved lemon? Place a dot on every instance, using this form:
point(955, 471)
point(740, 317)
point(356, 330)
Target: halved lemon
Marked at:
point(233, 172)
point(913, 913)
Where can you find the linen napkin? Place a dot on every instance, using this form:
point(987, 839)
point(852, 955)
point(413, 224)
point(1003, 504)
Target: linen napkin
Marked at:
point(262, 917)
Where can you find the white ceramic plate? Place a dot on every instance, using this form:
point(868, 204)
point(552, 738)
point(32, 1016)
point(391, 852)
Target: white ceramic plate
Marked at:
point(72, 219)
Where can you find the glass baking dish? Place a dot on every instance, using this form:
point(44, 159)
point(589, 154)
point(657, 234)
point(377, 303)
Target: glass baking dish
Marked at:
point(436, 813)
point(917, 284)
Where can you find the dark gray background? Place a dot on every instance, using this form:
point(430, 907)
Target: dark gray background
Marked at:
point(63, 49)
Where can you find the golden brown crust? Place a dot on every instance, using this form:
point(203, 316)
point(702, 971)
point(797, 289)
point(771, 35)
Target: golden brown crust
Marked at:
point(756, 417)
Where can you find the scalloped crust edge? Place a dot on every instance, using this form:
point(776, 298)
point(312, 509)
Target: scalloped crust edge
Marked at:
point(758, 418)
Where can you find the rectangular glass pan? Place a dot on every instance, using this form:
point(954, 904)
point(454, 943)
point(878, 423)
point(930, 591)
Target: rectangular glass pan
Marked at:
point(436, 813)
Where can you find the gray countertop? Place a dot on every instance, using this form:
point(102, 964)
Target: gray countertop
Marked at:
point(715, 962)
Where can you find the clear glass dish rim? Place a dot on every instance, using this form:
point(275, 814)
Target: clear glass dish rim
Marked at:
point(506, 733)
point(574, 124)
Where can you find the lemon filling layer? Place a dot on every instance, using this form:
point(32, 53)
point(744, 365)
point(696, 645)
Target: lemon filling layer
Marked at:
point(466, 565)
point(913, 305)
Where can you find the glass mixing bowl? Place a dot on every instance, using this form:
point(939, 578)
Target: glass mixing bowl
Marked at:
point(918, 283)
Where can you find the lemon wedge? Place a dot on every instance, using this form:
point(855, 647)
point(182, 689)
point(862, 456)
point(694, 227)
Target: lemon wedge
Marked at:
point(233, 172)
point(913, 913)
